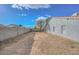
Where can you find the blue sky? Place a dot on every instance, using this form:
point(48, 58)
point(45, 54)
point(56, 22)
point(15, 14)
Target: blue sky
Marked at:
point(28, 14)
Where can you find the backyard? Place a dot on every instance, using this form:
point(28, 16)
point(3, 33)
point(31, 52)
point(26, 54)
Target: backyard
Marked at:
point(39, 43)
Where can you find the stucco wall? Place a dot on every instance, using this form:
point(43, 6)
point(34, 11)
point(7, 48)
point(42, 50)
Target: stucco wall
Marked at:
point(64, 26)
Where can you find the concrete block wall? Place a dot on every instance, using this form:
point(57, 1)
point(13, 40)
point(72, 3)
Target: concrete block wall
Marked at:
point(11, 32)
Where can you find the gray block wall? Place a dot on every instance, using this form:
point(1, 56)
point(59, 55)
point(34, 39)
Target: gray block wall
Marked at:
point(7, 32)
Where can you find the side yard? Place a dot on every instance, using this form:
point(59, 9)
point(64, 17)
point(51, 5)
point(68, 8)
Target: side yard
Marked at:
point(46, 44)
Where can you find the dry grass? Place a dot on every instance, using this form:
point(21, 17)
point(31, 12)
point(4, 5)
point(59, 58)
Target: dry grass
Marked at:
point(52, 44)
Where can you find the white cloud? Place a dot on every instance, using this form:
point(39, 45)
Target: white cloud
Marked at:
point(41, 18)
point(30, 6)
point(16, 6)
point(22, 14)
point(48, 15)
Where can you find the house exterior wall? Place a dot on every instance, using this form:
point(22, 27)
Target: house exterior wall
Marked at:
point(68, 27)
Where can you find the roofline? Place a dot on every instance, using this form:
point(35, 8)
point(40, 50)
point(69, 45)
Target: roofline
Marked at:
point(49, 18)
point(65, 16)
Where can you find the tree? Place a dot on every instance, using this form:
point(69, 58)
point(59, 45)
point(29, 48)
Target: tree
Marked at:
point(40, 24)
point(20, 25)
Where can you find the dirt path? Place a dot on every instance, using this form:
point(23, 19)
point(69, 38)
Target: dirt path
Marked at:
point(21, 47)
point(40, 43)
point(47, 44)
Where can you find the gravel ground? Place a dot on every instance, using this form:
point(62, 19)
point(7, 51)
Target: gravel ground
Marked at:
point(21, 47)
point(39, 43)
point(47, 44)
